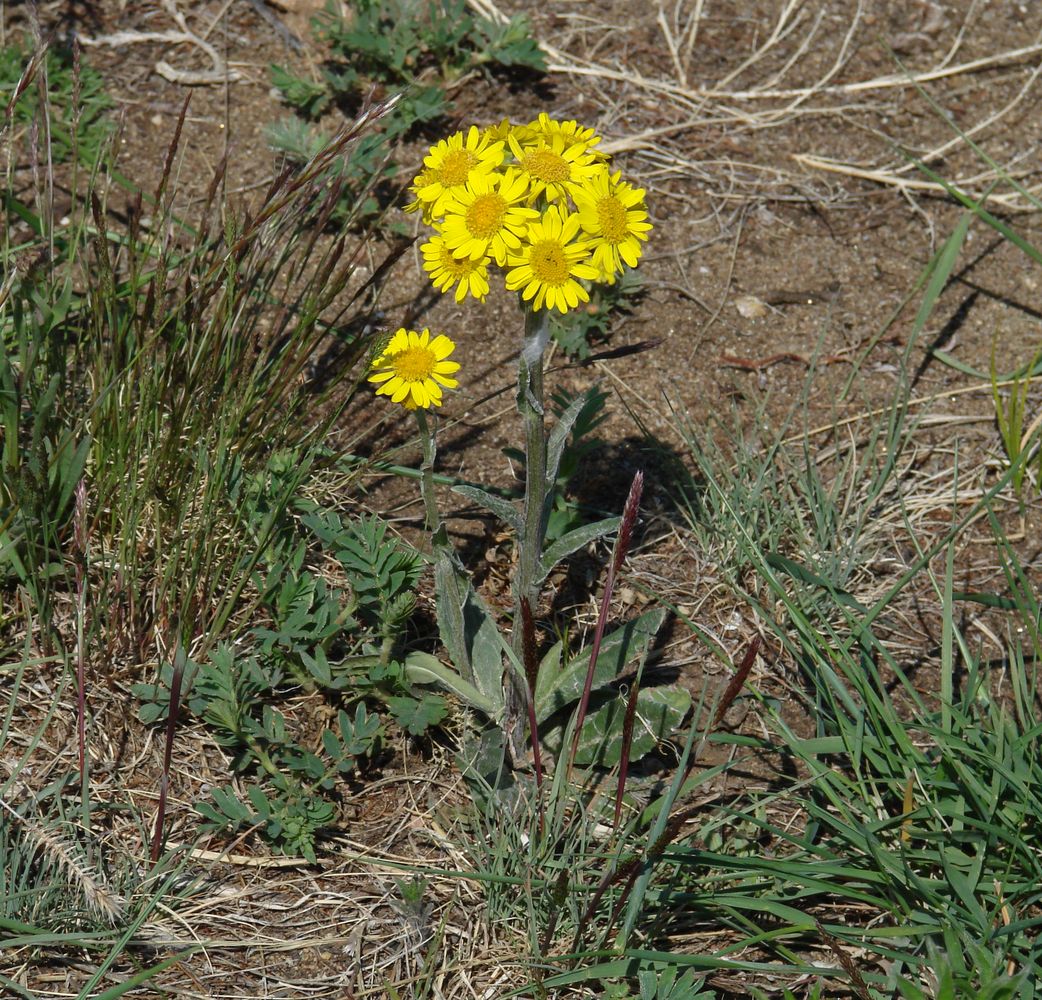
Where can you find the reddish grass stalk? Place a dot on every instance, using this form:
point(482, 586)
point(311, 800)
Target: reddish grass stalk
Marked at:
point(737, 683)
point(627, 742)
point(622, 545)
point(630, 868)
point(164, 782)
point(528, 652)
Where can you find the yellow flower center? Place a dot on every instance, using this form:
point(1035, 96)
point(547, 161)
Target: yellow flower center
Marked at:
point(546, 165)
point(611, 216)
point(484, 217)
point(414, 364)
point(458, 266)
point(456, 167)
point(549, 263)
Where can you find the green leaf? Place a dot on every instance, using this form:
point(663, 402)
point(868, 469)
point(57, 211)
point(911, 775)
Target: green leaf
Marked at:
point(512, 44)
point(660, 710)
point(574, 540)
point(361, 734)
point(487, 649)
point(451, 586)
point(557, 688)
point(309, 99)
point(504, 509)
point(417, 715)
point(558, 439)
point(422, 668)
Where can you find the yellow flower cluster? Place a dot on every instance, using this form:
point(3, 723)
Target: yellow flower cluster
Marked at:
point(537, 200)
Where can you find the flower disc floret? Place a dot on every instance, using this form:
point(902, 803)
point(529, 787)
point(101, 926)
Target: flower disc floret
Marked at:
point(550, 263)
point(553, 164)
point(446, 270)
point(612, 213)
point(488, 218)
point(413, 368)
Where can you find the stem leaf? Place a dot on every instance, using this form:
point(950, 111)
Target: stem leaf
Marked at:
point(501, 507)
point(573, 541)
point(423, 668)
point(558, 438)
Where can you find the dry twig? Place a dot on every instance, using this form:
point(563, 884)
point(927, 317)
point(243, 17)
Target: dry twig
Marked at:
point(192, 78)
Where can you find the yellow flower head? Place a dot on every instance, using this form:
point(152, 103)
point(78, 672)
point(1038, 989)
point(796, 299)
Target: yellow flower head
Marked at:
point(538, 200)
point(413, 369)
point(446, 270)
point(552, 164)
point(549, 263)
point(545, 127)
point(420, 181)
point(451, 163)
point(501, 130)
point(612, 213)
point(488, 218)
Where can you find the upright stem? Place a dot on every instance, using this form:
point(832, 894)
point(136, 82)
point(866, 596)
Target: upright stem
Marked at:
point(430, 450)
point(530, 405)
point(526, 583)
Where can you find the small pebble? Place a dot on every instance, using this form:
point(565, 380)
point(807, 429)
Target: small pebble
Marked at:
point(750, 307)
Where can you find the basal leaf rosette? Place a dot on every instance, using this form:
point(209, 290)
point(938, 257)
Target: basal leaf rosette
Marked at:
point(538, 201)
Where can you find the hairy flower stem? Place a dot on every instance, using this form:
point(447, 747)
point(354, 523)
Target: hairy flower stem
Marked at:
point(430, 451)
point(530, 406)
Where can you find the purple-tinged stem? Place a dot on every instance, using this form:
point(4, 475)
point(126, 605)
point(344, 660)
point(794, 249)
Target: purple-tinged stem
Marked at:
point(627, 742)
point(622, 545)
point(173, 711)
point(628, 870)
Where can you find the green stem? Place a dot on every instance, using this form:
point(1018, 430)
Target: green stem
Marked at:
point(530, 406)
point(430, 499)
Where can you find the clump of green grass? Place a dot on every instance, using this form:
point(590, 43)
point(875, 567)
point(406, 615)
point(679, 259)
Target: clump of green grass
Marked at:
point(77, 122)
point(161, 412)
point(908, 834)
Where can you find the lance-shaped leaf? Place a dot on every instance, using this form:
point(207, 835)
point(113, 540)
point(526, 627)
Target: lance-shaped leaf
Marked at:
point(557, 688)
point(486, 649)
point(422, 668)
point(573, 541)
point(503, 509)
point(450, 590)
point(659, 712)
point(558, 438)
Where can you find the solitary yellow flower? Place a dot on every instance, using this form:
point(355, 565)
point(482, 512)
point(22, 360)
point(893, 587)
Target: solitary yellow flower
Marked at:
point(487, 217)
point(549, 264)
point(553, 163)
point(451, 163)
point(446, 270)
point(612, 212)
point(413, 369)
